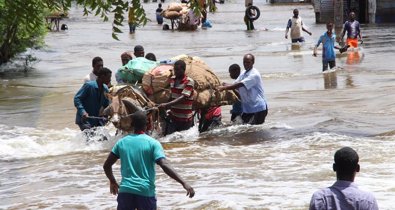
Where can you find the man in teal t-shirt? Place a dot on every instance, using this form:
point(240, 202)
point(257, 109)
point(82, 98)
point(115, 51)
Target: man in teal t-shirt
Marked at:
point(139, 153)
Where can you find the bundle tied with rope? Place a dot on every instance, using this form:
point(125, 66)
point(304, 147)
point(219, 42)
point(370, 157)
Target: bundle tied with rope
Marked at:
point(156, 84)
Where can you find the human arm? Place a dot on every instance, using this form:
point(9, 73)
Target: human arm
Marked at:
point(81, 95)
point(171, 103)
point(231, 87)
point(289, 24)
point(168, 169)
point(111, 159)
point(316, 46)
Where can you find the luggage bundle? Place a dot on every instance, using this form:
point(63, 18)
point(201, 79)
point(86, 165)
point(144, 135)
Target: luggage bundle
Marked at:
point(175, 10)
point(134, 70)
point(157, 87)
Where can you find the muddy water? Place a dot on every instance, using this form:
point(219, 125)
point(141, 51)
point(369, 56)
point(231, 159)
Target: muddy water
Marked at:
point(46, 164)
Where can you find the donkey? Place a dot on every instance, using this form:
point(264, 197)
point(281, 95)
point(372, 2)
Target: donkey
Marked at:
point(125, 102)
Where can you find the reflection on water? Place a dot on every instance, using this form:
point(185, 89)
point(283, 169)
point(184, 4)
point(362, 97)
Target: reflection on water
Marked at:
point(330, 80)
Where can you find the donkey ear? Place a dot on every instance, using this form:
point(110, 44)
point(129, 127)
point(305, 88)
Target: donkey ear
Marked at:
point(108, 96)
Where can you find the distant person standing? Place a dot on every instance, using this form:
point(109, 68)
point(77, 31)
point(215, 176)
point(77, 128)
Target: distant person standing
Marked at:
point(344, 194)
point(250, 87)
point(159, 17)
point(91, 99)
point(139, 153)
point(353, 30)
point(328, 40)
point(247, 20)
point(132, 20)
point(295, 23)
point(97, 64)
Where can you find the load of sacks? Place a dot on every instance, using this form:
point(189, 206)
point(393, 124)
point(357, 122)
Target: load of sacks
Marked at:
point(188, 19)
point(156, 84)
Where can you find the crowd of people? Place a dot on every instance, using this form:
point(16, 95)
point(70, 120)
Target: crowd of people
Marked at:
point(139, 152)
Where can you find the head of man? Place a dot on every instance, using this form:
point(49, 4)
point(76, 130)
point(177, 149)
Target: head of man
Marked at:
point(126, 57)
point(346, 164)
point(179, 69)
point(139, 51)
point(160, 5)
point(234, 71)
point(97, 64)
point(296, 13)
point(139, 121)
point(248, 61)
point(329, 27)
point(104, 76)
point(150, 56)
point(352, 16)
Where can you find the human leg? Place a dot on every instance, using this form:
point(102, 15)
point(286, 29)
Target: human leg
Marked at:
point(324, 65)
point(259, 117)
point(332, 64)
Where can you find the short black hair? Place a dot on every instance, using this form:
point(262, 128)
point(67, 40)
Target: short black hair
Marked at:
point(139, 121)
point(180, 63)
point(234, 67)
point(138, 48)
point(346, 160)
point(96, 60)
point(150, 56)
point(104, 71)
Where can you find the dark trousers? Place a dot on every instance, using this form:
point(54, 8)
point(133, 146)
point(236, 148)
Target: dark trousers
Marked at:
point(173, 126)
point(326, 63)
point(254, 118)
point(129, 201)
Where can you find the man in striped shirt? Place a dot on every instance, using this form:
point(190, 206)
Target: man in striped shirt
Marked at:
point(181, 115)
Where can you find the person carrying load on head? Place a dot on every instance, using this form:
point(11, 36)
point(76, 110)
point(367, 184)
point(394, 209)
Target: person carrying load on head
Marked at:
point(296, 25)
point(181, 113)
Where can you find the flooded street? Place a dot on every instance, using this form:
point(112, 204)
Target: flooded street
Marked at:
point(45, 162)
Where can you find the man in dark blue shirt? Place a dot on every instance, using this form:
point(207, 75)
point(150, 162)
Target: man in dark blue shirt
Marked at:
point(90, 99)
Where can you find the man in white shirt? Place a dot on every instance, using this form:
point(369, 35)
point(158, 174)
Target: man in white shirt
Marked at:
point(250, 87)
point(296, 25)
point(97, 64)
point(344, 194)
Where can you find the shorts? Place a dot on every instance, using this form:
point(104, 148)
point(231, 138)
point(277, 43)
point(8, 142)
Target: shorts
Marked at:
point(352, 42)
point(325, 65)
point(301, 39)
point(254, 118)
point(127, 201)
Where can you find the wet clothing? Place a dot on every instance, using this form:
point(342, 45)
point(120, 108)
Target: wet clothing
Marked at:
point(90, 77)
point(296, 26)
point(301, 39)
point(352, 28)
point(159, 17)
point(353, 42)
point(127, 201)
point(328, 46)
point(138, 154)
point(182, 112)
point(132, 20)
point(254, 118)
point(90, 100)
point(343, 195)
point(176, 126)
point(210, 118)
point(237, 110)
point(252, 93)
point(249, 23)
point(325, 65)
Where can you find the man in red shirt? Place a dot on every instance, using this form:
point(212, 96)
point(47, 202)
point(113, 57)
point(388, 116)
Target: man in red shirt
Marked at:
point(181, 115)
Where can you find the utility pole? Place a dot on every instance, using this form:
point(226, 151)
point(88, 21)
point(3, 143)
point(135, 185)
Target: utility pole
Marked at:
point(338, 17)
